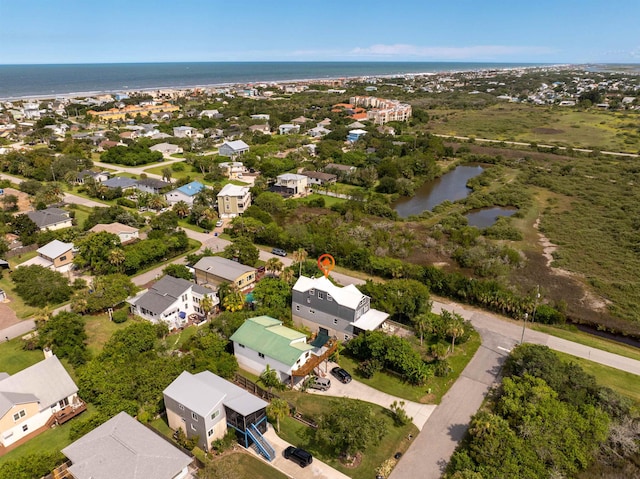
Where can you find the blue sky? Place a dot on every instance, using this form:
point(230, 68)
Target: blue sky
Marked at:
point(88, 31)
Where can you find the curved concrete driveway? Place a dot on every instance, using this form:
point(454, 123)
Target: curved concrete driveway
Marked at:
point(356, 390)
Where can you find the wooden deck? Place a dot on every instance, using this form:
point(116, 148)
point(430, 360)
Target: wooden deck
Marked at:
point(314, 361)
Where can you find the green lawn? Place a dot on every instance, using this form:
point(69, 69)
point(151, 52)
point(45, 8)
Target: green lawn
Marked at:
point(294, 432)
point(572, 334)
point(248, 466)
point(99, 330)
point(431, 392)
point(13, 358)
point(162, 426)
point(623, 382)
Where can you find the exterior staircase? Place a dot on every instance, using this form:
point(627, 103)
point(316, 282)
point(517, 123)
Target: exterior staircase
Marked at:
point(261, 443)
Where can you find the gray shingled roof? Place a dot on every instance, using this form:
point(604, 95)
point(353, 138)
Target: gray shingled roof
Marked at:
point(50, 216)
point(119, 182)
point(125, 449)
point(153, 183)
point(222, 267)
point(47, 381)
point(166, 292)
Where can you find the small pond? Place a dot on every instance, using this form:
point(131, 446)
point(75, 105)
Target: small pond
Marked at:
point(486, 217)
point(451, 186)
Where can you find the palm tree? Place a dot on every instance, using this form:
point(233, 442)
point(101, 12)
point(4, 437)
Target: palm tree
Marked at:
point(424, 323)
point(300, 256)
point(117, 258)
point(157, 202)
point(278, 409)
point(269, 379)
point(206, 305)
point(182, 209)
point(455, 328)
point(273, 265)
point(167, 174)
point(207, 214)
point(287, 275)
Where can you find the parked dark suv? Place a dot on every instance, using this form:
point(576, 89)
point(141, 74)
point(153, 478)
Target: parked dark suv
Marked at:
point(302, 457)
point(341, 375)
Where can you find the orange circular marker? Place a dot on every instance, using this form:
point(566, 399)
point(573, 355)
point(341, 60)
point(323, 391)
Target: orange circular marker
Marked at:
point(326, 263)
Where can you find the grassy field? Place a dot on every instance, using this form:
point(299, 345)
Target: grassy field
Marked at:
point(611, 131)
point(623, 382)
point(246, 466)
point(396, 439)
point(431, 392)
point(99, 329)
point(572, 334)
point(13, 358)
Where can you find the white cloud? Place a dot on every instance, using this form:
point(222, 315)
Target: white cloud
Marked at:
point(449, 53)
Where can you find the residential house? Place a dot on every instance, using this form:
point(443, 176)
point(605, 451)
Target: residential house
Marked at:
point(341, 171)
point(151, 185)
point(210, 114)
point(206, 405)
point(184, 131)
point(356, 125)
point(264, 129)
point(186, 193)
point(232, 149)
point(301, 120)
point(288, 129)
point(123, 182)
point(232, 169)
point(326, 122)
point(31, 110)
point(35, 398)
point(212, 271)
point(51, 219)
point(290, 184)
point(320, 178)
point(126, 233)
point(355, 135)
point(318, 132)
point(171, 300)
point(55, 255)
point(260, 116)
point(167, 149)
point(330, 310)
point(233, 200)
point(125, 449)
point(265, 341)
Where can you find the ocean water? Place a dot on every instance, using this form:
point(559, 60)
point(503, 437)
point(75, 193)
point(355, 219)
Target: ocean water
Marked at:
point(24, 81)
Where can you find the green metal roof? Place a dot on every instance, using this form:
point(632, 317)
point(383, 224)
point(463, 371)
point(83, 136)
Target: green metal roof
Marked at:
point(269, 337)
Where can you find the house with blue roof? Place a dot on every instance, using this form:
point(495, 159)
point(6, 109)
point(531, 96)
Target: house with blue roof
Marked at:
point(186, 193)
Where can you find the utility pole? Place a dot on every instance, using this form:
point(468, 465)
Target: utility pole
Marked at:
point(533, 316)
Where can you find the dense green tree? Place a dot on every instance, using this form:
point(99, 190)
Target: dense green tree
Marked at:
point(65, 334)
point(25, 228)
point(178, 271)
point(38, 286)
point(94, 250)
point(109, 291)
point(350, 427)
point(242, 250)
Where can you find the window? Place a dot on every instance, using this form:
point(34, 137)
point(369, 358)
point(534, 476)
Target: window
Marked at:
point(241, 345)
point(25, 428)
point(194, 416)
point(329, 298)
point(297, 307)
point(312, 292)
point(320, 295)
point(261, 355)
point(193, 428)
point(181, 407)
point(210, 433)
point(346, 337)
point(335, 320)
point(62, 258)
point(18, 415)
point(312, 311)
point(215, 414)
